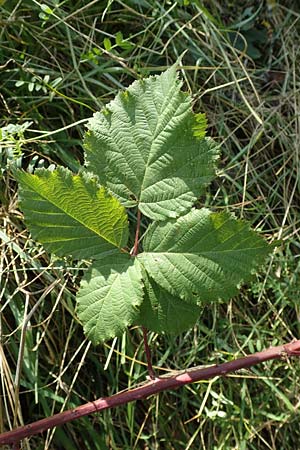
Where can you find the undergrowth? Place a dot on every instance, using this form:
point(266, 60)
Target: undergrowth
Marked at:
point(59, 64)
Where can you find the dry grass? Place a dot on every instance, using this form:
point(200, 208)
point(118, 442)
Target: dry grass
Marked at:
point(252, 107)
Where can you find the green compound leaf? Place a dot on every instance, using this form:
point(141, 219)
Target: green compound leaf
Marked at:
point(202, 255)
point(109, 297)
point(70, 214)
point(149, 148)
point(163, 312)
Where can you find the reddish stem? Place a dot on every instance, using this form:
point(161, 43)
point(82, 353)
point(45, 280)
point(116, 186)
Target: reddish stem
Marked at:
point(137, 232)
point(148, 354)
point(146, 345)
point(149, 388)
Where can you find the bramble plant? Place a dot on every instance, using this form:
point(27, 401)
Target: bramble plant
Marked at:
point(146, 151)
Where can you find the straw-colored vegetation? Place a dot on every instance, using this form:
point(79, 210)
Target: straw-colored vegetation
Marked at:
point(60, 62)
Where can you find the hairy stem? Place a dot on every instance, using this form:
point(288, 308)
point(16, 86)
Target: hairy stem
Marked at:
point(169, 381)
point(148, 354)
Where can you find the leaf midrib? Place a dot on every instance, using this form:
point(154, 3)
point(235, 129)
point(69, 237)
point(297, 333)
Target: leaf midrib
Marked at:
point(155, 136)
point(202, 253)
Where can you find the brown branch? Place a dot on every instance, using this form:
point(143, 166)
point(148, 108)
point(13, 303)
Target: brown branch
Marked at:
point(150, 388)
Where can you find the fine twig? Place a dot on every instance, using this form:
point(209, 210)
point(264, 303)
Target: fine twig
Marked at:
point(150, 388)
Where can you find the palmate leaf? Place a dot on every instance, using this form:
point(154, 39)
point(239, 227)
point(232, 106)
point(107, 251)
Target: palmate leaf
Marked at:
point(203, 255)
point(163, 312)
point(109, 296)
point(149, 148)
point(70, 214)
